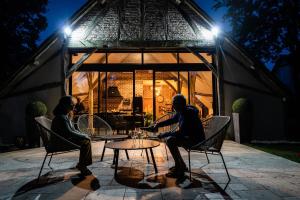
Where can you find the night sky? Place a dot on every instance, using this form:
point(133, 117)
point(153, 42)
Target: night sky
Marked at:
point(60, 10)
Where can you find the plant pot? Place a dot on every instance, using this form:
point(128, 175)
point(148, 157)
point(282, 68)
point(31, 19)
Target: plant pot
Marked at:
point(242, 127)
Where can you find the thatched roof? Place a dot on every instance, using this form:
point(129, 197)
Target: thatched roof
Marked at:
point(140, 23)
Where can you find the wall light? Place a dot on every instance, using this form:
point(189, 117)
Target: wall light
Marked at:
point(211, 34)
point(67, 31)
point(215, 31)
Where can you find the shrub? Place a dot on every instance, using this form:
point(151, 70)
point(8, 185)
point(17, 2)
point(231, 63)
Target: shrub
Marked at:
point(240, 105)
point(35, 109)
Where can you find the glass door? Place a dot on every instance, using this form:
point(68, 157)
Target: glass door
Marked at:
point(166, 86)
point(85, 89)
point(143, 100)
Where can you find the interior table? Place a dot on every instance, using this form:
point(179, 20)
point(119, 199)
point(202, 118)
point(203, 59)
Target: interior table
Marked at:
point(132, 144)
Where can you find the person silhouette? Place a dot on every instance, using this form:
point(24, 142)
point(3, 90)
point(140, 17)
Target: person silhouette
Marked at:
point(62, 125)
point(190, 133)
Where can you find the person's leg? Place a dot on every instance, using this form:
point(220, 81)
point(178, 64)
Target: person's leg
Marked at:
point(173, 143)
point(85, 158)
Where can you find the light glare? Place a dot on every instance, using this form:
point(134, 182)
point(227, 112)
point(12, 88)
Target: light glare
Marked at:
point(207, 34)
point(215, 31)
point(211, 34)
point(67, 30)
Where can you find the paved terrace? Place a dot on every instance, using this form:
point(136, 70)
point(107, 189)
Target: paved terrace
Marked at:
point(255, 175)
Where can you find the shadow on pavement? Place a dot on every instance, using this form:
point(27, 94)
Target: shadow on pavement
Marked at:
point(69, 178)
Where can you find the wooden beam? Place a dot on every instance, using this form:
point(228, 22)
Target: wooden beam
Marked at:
point(83, 58)
point(207, 64)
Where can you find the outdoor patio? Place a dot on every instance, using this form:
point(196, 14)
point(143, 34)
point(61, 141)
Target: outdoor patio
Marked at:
point(254, 175)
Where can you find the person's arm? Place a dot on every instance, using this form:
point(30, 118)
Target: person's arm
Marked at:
point(167, 134)
point(167, 122)
point(72, 132)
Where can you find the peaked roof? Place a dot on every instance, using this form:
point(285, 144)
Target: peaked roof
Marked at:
point(140, 23)
point(136, 24)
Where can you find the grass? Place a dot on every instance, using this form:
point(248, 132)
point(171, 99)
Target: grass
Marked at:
point(288, 151)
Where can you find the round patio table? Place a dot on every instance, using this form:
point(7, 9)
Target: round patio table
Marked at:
point(107, 138)
point(132, 144)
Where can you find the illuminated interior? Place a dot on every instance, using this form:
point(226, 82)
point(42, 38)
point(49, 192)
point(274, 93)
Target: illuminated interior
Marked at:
point(147, 91)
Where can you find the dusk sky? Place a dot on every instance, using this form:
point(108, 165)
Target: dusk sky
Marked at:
point(60, 10)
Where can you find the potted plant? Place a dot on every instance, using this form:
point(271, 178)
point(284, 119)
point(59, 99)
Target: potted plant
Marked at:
point(242, 120)
point(148, 119)
point(34, 109)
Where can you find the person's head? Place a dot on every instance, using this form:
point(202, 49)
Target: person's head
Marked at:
point(64, 106)
point(179, 103)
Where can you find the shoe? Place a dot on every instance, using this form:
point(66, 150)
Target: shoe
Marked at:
point(174, 168)
point(85, 172)
point(180, 179)
point(175, 174)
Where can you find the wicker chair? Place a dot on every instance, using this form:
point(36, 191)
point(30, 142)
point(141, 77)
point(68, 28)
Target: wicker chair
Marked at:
point(54, 144)
point(98, 129)
point(215, 132)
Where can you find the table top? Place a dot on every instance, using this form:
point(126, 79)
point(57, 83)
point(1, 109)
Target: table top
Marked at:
point(109, 137)
point(133, 144)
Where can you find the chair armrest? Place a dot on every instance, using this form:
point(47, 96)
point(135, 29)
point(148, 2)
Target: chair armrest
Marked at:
point(64, 139)
point(202, 143)
point(61, 138)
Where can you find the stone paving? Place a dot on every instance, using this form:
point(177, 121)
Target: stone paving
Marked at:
point(254, 175)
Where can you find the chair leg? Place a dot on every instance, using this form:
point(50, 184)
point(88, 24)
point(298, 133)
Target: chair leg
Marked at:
point(225, 166)
point(127, 154)
point(166, 151)
point(206, 157)
point(103, 151)
point(114, 158)
point(190, 169)
point(50, 161)
point(38, 179)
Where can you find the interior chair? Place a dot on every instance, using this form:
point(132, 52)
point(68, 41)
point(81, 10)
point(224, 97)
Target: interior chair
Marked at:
point(98, 129)
point(54, 144)
point(215, 131)
point(119, 123)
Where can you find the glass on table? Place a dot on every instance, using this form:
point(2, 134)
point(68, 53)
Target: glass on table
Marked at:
point(139, 135)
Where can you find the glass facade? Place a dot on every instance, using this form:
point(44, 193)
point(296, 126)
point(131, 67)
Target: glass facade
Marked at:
point(145, 90)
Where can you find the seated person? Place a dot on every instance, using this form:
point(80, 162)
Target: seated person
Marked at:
point(62, 125)
point(190, 133)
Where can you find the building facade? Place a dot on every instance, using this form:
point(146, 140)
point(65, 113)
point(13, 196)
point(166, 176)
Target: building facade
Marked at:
point(129, 57)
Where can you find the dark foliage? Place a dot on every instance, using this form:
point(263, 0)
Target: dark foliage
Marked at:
point(266, 29)
point(21, 22)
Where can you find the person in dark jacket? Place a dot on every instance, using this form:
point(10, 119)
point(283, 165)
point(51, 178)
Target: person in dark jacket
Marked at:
point(62, 125)
point(190, 132)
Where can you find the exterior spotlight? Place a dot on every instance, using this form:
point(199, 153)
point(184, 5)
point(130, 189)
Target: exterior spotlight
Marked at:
point(67, 31)
point(211, 34)
point(215, 31)
point(207, 34)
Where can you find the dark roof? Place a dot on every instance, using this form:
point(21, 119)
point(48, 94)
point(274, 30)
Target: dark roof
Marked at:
point(140, 23)
point(137, 23)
